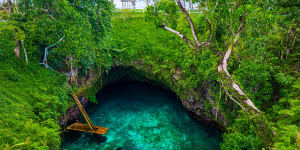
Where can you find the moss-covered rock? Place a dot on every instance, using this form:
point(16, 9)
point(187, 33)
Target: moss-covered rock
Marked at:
point(203, 103)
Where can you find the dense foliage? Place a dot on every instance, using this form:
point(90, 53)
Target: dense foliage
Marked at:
point(267, 48)
point(264, 62)
point(33, 97)
point(80, 24)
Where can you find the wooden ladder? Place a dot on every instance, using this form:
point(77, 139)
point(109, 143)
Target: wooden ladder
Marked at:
point(82, 110)
point(90, 128)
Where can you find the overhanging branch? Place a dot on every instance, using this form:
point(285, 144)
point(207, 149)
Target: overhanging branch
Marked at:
point(235, 90)
point(186, 40)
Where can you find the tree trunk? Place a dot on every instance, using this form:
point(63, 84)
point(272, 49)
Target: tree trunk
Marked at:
point(17, 42)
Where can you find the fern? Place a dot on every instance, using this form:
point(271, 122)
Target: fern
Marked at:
point(283, 79)
point(286, 112)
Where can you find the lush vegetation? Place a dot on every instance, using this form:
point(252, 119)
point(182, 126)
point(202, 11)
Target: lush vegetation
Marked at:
point(264, 62)
point(33, 97)
point(74, 27)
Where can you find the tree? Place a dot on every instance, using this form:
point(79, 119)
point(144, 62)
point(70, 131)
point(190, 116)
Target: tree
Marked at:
point(233, 11)
point(44, 23)
point(232, 89)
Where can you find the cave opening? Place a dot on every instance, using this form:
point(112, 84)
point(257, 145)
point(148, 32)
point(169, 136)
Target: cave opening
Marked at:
point(142, 115)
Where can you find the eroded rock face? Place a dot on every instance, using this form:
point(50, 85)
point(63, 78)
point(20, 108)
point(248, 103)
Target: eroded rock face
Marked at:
point(210, 116)
point(73, 114)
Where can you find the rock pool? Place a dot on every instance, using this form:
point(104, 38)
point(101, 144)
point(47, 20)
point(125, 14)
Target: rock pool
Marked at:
point(142, 117)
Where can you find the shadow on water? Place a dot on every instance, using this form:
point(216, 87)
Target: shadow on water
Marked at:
point(142, 117)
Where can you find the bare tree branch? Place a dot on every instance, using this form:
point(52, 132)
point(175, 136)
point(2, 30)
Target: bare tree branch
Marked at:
point(227, 93)
point(25, 52)
point(179, 34)
point(235, 90)
point(229, 50)
point(190, 22)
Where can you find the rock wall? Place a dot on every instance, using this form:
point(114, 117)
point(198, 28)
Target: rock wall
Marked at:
point(200, 102)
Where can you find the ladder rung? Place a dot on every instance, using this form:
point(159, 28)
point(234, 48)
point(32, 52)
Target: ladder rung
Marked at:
point(88, 120)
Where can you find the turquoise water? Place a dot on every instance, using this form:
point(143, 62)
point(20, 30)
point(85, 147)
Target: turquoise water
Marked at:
point(143, 117)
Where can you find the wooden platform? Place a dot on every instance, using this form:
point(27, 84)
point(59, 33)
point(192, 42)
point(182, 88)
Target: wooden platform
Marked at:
point(85, 128)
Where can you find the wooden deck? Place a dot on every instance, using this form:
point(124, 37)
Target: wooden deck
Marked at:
point(86, 128)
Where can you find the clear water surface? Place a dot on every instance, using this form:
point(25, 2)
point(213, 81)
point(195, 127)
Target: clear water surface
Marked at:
point(142, 117)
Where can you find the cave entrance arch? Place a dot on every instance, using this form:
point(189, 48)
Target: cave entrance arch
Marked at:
point(141, 73)
point(140, 115)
